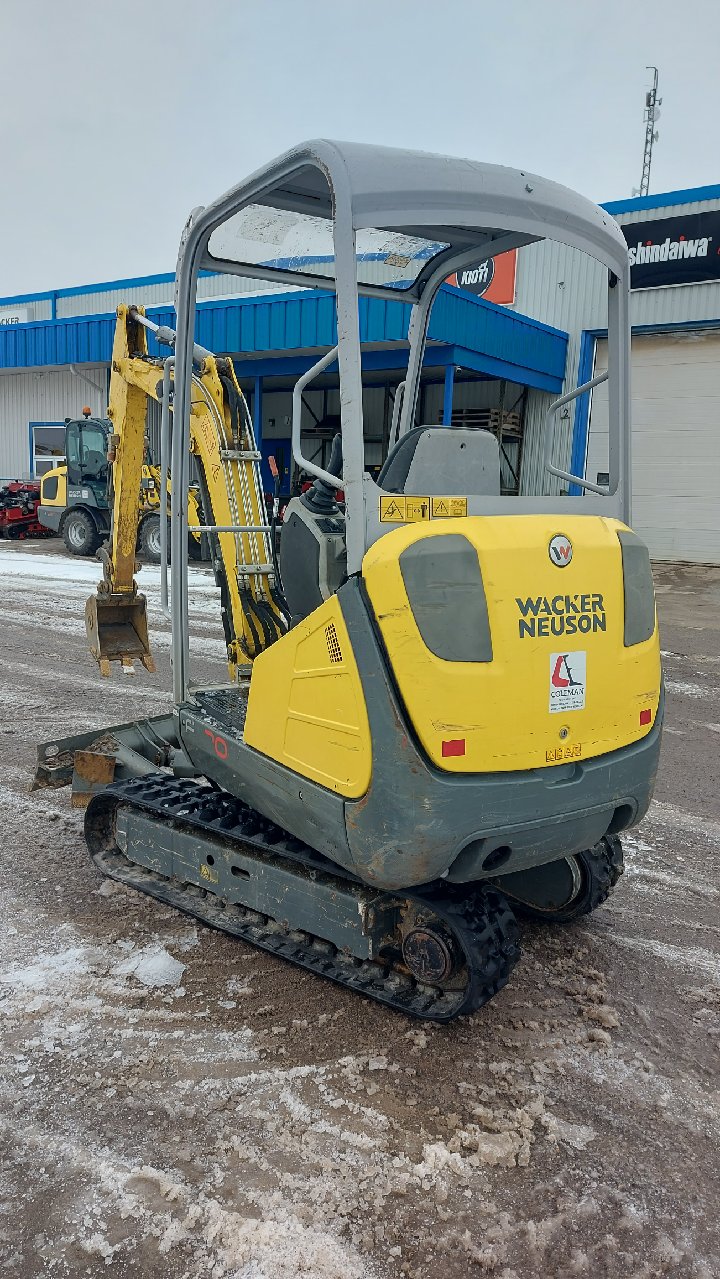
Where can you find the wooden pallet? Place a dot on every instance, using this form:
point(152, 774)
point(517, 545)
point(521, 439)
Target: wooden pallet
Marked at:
point(488, 420)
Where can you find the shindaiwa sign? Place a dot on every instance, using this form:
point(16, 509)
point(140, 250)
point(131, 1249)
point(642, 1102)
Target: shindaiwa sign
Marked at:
point(682, 250)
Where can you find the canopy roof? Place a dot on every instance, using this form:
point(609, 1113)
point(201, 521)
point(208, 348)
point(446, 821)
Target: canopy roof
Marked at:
point(412, 211)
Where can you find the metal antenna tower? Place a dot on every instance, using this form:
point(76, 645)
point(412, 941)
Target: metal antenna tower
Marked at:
point(652, 115)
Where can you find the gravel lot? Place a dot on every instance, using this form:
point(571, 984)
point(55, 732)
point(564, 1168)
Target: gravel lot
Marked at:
point(174, 1103)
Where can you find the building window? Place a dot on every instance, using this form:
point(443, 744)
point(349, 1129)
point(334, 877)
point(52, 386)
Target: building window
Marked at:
point(47, 446)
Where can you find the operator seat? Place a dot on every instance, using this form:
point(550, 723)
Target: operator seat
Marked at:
point(437, 460)
point(429, 460)
point(95, 465)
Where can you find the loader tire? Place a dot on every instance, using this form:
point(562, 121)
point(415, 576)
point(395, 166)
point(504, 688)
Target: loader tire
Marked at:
point(600, 869)
point(80, 534)
point(195, 549)
point(150, 539)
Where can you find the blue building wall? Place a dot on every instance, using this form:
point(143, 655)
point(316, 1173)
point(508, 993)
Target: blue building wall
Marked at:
point(473, 333)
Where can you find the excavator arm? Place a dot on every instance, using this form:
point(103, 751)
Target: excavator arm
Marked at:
point(254, 612)
point(116, 616)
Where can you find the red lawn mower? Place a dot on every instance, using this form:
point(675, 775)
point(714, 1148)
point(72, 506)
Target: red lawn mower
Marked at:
point(19, 502)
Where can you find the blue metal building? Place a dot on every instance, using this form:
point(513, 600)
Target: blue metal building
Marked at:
point(482, 363)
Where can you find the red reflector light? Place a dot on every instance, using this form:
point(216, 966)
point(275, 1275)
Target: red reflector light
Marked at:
point(645, 717)
point(456, 746)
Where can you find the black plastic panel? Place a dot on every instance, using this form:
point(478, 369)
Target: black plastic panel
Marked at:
point(638, 587)
point(444, 584)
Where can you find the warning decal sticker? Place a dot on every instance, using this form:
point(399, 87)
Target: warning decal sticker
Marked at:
point(392, 510)
point(417, 508)
point(410, 510)
point(567, 681)
point(404, 510)
point(449, 508)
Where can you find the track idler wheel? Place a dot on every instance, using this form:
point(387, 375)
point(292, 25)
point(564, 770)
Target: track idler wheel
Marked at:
point(464, 944)
point(429, 954)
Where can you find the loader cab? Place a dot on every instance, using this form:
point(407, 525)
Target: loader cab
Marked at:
point(82, 477)
point(73, 497)
point(86, 447)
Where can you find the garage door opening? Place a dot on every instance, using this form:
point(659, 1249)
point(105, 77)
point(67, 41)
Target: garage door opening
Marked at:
point(675, 426)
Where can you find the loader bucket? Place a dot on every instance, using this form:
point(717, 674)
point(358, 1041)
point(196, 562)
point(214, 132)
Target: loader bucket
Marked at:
point(117, 630)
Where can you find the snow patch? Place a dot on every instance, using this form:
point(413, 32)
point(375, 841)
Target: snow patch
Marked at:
point(688, 689)
point(50, 971)
point(691, 959)
point(153, 966)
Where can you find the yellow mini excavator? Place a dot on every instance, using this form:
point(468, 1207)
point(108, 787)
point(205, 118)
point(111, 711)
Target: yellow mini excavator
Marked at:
point(444, 702)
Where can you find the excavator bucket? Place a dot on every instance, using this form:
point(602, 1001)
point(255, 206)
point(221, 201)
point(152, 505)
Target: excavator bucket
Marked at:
point(117, 631)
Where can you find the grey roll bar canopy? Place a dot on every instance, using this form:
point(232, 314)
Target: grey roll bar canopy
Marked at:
point(391, 223)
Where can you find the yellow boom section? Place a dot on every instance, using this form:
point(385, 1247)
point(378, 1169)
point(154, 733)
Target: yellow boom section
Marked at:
point(116, 616)
point(223, 444)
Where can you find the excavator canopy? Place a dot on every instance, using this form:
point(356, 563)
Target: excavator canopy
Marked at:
point(411, 211)
point(360, 219)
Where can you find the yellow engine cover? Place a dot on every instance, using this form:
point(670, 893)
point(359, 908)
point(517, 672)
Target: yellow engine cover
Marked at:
point(561, 685)
point(60, 498)
point(306, 706)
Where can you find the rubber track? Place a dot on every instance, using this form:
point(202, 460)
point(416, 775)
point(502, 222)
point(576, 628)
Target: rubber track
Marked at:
point(481, 922)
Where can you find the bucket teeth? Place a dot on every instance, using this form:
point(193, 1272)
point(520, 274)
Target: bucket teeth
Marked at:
point(117, 630)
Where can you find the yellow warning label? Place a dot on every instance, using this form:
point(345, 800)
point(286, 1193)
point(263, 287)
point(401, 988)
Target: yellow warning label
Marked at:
point(417, 508)
point(449, 508)
point(392, 510)
point(411, 510)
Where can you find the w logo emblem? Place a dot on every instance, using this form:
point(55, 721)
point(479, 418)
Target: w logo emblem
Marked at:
point(560, 550)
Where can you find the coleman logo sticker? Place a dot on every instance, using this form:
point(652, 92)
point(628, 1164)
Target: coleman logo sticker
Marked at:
point(567, 681)
point(560, 550)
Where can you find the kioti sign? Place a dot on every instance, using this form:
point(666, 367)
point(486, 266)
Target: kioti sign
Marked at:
point(493, 279)
point(681, 250)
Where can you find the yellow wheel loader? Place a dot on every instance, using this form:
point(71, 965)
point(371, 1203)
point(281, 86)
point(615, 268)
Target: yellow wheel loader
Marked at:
point(74, 497)
point(444, 703)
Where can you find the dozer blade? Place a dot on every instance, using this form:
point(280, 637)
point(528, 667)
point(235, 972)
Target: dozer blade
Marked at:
point(91, 759)
point(117, 631)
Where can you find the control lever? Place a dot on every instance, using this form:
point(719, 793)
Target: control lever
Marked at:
point(320, 497)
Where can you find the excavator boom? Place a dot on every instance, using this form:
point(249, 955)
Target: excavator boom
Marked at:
point(116, 616)
point(223, 444)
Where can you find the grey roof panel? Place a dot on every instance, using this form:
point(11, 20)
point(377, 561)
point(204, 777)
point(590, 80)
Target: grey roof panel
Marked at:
point(418, 190)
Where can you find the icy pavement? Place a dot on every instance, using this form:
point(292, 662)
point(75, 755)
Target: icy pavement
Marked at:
point(175, 1103)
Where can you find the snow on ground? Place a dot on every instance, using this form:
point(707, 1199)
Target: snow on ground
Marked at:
point(77, 571)
point(173, 1102)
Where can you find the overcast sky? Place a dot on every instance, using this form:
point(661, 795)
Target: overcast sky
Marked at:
point(118, 118)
